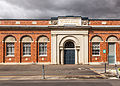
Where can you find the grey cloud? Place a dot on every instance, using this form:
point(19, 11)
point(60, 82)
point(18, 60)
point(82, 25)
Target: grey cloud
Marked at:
point(49, 8)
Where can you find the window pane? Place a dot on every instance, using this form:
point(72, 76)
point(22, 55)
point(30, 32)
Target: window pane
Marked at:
point(26, 48)
point(95, 48)
point(42, 48)
point(9, 49)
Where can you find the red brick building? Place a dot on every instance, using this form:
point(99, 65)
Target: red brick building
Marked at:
point(60, 40)
point(17, 34)
point(104, 35)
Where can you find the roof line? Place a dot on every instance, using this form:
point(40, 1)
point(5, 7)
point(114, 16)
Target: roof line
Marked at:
point(105, 19)
point(26, 19)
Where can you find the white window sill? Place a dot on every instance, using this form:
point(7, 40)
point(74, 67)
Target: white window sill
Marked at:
point(9, 56)
point(95, 55)
point(26, 55)
point(43, 55)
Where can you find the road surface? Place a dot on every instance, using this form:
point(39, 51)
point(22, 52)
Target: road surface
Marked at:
point(62, 83)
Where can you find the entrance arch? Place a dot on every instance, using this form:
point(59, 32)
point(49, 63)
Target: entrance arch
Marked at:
point(69, 53)
point(67, 45)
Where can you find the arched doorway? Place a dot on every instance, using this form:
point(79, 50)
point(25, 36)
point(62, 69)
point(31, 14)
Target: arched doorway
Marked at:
point(69, 53)
point(112, 49)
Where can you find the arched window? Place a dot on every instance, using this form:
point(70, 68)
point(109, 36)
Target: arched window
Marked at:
point(9, 42)
point(112, 39)
point(26, 42)
point(42, 42)
point(96, 45)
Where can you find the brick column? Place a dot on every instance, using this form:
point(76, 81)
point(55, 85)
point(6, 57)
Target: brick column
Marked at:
point(17, 52)
point(106, 58)
point(1, 52)
point(34, 51)
point(102, 55)
point(117, 52)
point(90, 51)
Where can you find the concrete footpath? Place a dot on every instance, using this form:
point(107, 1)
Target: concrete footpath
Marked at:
point(34, 72)
point(111, 72)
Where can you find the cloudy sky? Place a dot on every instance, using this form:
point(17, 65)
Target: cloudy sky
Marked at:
point(50, 8)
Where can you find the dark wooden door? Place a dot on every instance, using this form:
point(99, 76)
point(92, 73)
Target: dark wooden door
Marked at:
point(69, 56)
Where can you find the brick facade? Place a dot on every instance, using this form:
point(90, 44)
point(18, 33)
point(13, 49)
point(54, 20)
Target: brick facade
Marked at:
point(102, 30)
point(104, 33)
point(24, 22)
point(104, 22)
point(19, 58)
point(103, 45)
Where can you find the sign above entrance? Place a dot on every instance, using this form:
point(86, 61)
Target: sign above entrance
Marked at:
point(62, 21)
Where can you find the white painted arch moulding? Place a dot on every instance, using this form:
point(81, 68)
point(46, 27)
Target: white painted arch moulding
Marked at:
point(69, 38)
point(61, 47)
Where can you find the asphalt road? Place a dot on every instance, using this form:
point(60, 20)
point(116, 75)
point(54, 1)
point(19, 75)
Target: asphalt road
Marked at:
point(62, 83)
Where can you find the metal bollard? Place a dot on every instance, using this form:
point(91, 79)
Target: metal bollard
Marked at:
point(43, 72)
point(105, 67)
point(117, 73)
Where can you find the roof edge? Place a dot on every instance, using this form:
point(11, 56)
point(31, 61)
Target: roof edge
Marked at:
point(104, 19)
point(27, 19)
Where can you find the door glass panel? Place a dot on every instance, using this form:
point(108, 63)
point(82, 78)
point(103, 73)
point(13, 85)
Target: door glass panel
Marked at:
point(111, 51)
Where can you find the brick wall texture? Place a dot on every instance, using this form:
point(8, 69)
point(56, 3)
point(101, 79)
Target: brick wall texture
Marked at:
point(19, 58)
point(35, 34)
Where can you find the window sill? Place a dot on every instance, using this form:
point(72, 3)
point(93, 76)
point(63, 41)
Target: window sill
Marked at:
point(95, 55)
point(43, 56)
point(9, 56)
point(26, 56)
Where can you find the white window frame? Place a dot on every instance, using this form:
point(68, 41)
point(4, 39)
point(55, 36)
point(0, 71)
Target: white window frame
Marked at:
point(44, 52)
point(11, 50)
point(26, 51)
point(96, 49)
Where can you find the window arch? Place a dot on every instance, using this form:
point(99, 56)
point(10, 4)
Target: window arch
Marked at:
point(112, 39)
point(10, 39)
point(26, 45)
point(9, 44)
point(42, 43)
point(96, 39)
point(26, 39)
point(43, 39)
